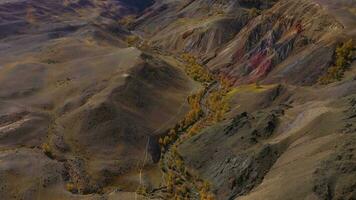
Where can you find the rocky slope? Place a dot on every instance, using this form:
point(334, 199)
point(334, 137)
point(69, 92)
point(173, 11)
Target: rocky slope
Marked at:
point(192, 99)
point(273, 42)
point(284, 130)
point(199, 27)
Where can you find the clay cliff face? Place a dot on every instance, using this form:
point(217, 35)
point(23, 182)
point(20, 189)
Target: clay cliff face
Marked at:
point(168, 99)
point(278, 38)
point(245, 40)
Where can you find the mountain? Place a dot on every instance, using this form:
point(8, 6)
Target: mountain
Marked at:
point(177, 99)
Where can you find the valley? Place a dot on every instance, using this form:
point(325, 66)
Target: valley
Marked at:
point(168, 99)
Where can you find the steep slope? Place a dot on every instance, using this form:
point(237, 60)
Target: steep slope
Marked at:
point(282, 151)
point(285, 135)
point(245, 41)
point(198, 27)
point(282, 41)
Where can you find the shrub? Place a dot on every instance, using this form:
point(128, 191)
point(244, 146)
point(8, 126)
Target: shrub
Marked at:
point(218, 105)
point(47, 150)
point(205, 193)
point(195, 70)
point(142, 190)
point(253, 12)
point(132, 40)
point(343, 59)
point(71, 188)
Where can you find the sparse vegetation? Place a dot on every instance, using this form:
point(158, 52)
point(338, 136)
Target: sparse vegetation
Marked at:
point(71, 188)
point(343, 59)
point(195, 70)
point(253, 12)
point(196, 111)
point(258, 85)
point(205, 193)
point(218, 105)
point(50, 61)
point(132, 40)
point(47, 150)
point(192, 116)
point(135, 41)
point(142, 190)
point(180, 183)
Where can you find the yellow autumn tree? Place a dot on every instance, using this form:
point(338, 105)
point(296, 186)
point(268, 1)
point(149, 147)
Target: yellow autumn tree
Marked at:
point(343, 59)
